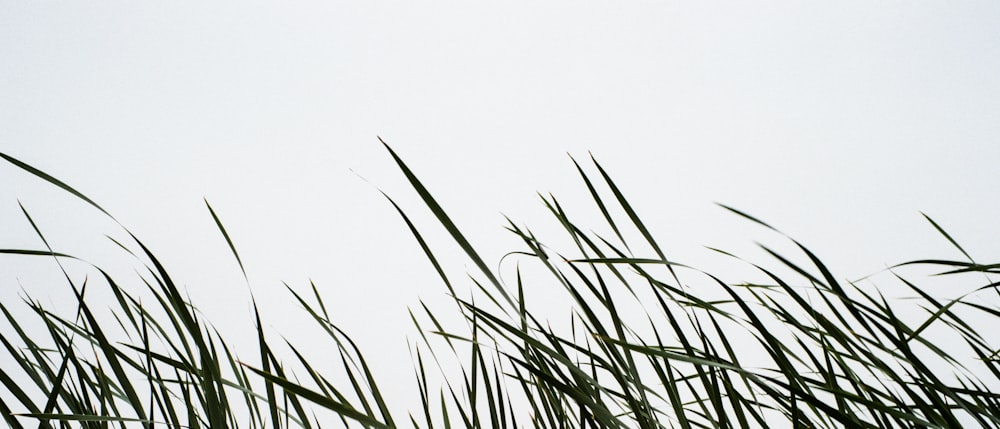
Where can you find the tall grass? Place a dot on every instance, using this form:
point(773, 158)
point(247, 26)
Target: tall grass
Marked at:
point(647, 343)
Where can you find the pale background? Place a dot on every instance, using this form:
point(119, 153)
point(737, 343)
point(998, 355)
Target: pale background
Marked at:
point(837, 122)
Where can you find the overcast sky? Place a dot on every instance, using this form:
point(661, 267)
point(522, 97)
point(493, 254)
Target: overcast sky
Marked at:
point(837, 122)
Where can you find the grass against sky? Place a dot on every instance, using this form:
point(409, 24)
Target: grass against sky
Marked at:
point(837, 123)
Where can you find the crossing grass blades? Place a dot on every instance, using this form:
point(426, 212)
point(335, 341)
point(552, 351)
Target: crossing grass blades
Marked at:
point(647, 343)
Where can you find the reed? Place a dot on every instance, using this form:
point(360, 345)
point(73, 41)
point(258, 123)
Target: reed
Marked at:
point(648, 343)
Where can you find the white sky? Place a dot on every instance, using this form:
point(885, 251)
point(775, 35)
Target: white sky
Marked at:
point(837, 122)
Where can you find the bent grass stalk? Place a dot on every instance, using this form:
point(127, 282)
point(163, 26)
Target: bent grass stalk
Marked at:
point(651, 343)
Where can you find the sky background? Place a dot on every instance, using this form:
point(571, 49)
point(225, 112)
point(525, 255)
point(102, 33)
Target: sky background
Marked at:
point(836, 122)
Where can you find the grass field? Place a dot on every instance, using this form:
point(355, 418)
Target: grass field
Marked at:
point(646, 343)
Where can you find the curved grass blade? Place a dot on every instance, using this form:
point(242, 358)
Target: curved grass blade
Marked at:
point(229, 241)
point(449, 225)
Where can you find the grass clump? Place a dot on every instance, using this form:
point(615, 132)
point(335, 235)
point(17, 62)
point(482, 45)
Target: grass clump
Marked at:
point(648, 343)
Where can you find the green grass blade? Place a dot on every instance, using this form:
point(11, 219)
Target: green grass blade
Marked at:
point(449, 225)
